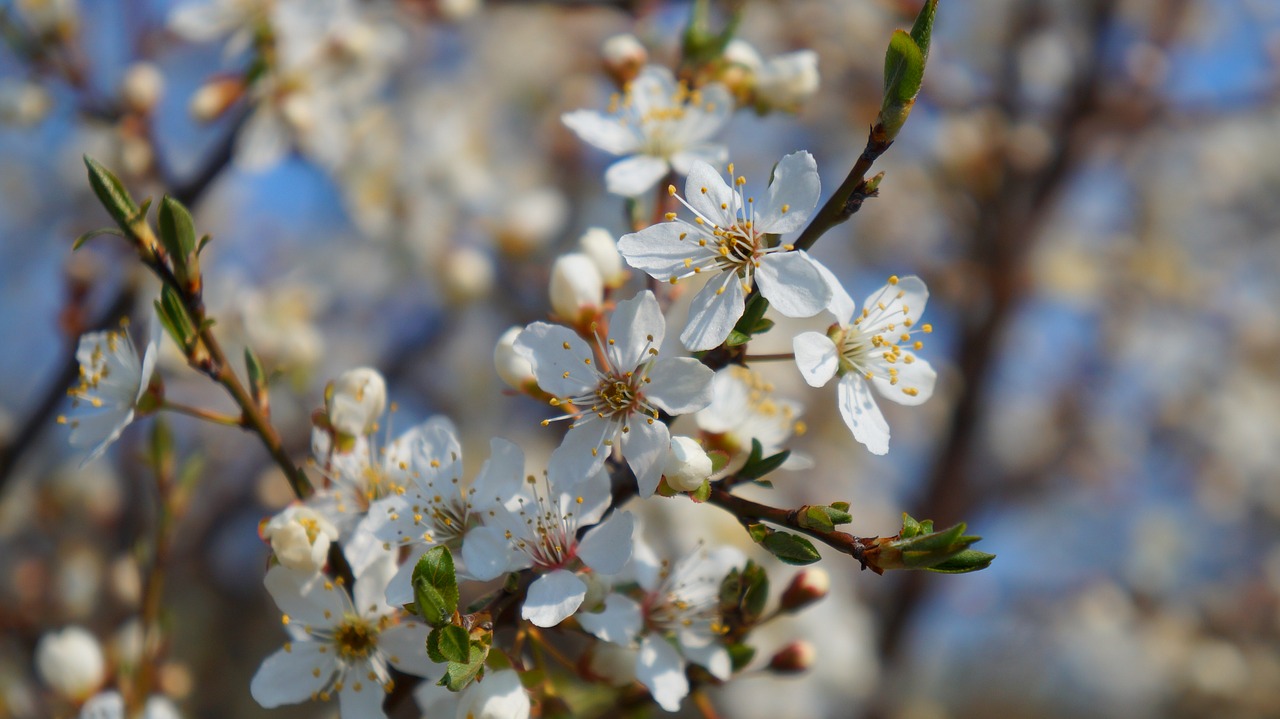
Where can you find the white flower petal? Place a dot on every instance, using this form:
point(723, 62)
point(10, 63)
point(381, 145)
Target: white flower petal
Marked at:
point(264, 140)
point(635, 175)
point(713, 313)
point(862, 414)
point(661, 668)
point(487, 553)
point(713, 154)
point(370, 591)
point(841, 304)
point(645, 448)
point(918, 375)
point(636, 327)
point(583, 451)
point(603, 131)
point(710, 655)
point(661, 250)
point(679, 385)
point(553, 597)
point(405, 646)
point(606, 547)
point(553, 351)
point(705, 119)
point(289, 676)
point(400, 588)
point(503, 470)
point(817, 357)
point(792, 283)
point(306, 597)
point(793, 195)
point(710, 196)
point(500, 695)
point(620, 622)
point(905, 300)
point(105, 705)
point(362, 698)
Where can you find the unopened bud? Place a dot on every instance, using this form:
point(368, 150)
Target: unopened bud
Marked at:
point(600, 245)
point(466, 275)
point(806, 587)
point(787, 81)
point(300, 538)
point(213, 98)
point(794, 658)
point(577, 290)
point(455, 10)
point(530, 220)
point(624, 56)
point(142, 86)
point(513, 368)
point(23, 103)
point(356, 400)
point(688, 465)
point(70, 662)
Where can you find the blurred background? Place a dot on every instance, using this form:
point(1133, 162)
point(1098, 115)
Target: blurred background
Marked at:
point(1088, 187)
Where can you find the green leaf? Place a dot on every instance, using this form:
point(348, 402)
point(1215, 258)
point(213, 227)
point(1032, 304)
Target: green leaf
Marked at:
point(719, 460)
point(816, 518)
point(161, 449)
point(177, 231)
point(903, 70)
point(435, 587)
point(454, 644)
point(459, 674)
point(173, 317)
point(970, 560)
point(922, 29)
point(791, 548)
point(758, 532)
point(737, 339)
point(257, 377)
point(111, 193)
point(740, 655)
point(433, 646)
point(92, 234)
point(757, 466)
point(755, 592)
point(702, 493)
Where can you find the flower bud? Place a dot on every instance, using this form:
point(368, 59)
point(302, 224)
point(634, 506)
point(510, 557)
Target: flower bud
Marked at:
point(600, 245)
point(794, 658)
point(355, 401)
point(787, 81)
point(624, 56)
point(466, 274)
point(300, 538)
point(213, 98)
point(513, 368)
point(142, 86)
point(577, 290)
point(70, 661)
point(688, 465)
point(530, 220)
point(23, 103)
point(806, 587)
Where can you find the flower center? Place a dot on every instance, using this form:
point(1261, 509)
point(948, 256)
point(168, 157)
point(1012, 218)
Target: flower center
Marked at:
point(355, 638)
point(616, 394)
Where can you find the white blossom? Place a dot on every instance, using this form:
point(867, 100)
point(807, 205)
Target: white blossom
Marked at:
point(534, 523)
point(513, 367)
point(110, 705)
point(687, 466)
point(680, 604)
point(874, 347)
point(70, 661)
point(339, 644)
point(744, 407)
point(356, 401)
point(617, 390)
point(300, 537)
point(728, 241)
point(498, 695)
point(657, 125)
point(577, 289)
point(112, 381)
point(600, 245)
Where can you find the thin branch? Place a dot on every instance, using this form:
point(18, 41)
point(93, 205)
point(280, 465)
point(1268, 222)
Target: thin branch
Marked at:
point(746, 510)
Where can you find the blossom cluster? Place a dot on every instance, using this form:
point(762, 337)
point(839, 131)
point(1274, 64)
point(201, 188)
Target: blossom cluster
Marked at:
point(388, 536)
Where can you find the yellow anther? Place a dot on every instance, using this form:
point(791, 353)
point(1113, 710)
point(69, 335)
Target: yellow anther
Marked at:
point(926, 328)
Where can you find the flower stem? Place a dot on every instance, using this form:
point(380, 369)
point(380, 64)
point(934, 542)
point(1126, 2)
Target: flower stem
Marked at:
point(780, 357)
point(847, 198)
point(204, 414)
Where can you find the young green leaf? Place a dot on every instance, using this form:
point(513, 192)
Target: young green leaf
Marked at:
point(791, 548)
